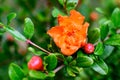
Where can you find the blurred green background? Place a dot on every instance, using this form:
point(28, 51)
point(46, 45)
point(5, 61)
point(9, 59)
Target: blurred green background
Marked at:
point(40, 12)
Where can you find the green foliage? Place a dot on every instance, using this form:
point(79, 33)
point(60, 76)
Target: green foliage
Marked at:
point(71, 4)
point(56, 12)
point(15, 72)
point(93, 35)
point(115, 17)
point(69, 59)
point(51, 61)
point(103, 33)
point(84, 61)
point(114, 40)
point(29, 28)
point(10, 17)
point(104, 30)
point(70, 72)
point(31, 49)
point(100, 67)
point(51, 74)
point(100, 10)
point(37, 74)
point(107, 51)
point(62, 2)
point(38, 53)
point(99, 49)
point(15, 33)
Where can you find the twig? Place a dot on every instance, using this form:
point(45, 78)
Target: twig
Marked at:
point(59, 68)
point(30, 42)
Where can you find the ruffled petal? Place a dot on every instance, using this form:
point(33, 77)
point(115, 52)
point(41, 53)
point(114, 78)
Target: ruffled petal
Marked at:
point(71, 32)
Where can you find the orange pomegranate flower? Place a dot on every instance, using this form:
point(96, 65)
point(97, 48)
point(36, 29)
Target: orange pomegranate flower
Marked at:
point(71, 33)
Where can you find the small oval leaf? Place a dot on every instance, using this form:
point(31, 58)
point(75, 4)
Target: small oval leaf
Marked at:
point(37, 74)
point(99, 49)
point(100, 10)
point(84, 61)
point(114, 40)
point(29, 28)
point(100, 67)
point(104, 29)
point(115, 18)
point(56, 12)
point(51, 74)
point(39, 53)
point(10, 17)
point(62, 2)
point(51, 60)
point(31, 49)
point(93, 35)
point(76, 69)
point(15, 72)
point(70, 72)
point(69, 59)
point(107, 51)
point(15, 33)
point(71, 4)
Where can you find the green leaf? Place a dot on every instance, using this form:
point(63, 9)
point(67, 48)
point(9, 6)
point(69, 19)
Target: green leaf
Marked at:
point(56, 12)
point(62, 2)
point(10, 17)
point(115, 18)
point(15, 72)
point(100, 67)
point(70, 72)
point(104, 29)
point(15, 33)
point(25, 78)
point(29, 28)
point(51, 60)
point(76, 69)
point(31, 49)
point(62, 57)
point(93, 35)
point(100, 10)
point(107, 51)
point(40, 53)
point(84, 61)
point(51, 74)
point(99, 49)
point(71, 4)
point(72, 63)
point(37, 74)
point(69, 59)
point(114, 40)
point(80, 54)
point(103, 20)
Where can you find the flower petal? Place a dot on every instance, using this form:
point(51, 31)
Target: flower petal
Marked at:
point(71, 33)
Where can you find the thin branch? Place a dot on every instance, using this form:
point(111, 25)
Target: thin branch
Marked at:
point(59, 68)
point(30, 42)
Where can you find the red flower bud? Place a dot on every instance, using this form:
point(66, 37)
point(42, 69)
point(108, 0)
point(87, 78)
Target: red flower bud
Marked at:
point(35, 63)
point(89, 48)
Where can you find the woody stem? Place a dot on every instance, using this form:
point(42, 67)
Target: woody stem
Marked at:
point(30, 42)
point(59, 68)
